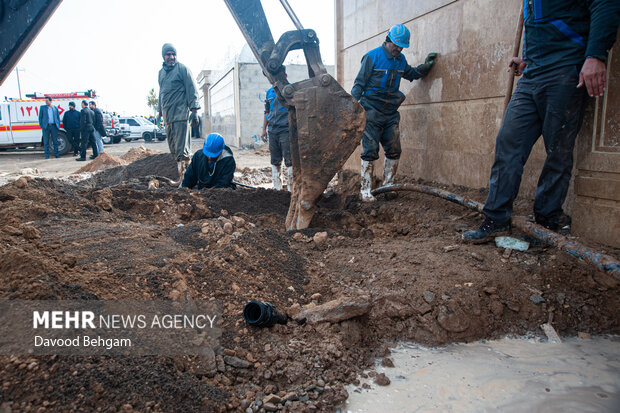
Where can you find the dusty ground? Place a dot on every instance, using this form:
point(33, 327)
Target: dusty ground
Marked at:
point(111, 238)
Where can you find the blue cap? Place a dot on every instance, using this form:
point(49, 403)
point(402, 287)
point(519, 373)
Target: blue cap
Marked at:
point(399, 35)
point(213, 146)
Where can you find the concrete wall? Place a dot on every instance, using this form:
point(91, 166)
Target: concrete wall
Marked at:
point(237, 100)
point(222, 110)
point(450, 119)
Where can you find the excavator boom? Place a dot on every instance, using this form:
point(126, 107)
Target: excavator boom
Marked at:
point(325, 122)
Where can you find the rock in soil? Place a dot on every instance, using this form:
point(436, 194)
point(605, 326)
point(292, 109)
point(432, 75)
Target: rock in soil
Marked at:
point(382, 380)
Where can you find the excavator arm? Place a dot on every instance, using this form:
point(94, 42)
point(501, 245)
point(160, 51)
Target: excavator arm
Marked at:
point(326, 123)
point(20, 22)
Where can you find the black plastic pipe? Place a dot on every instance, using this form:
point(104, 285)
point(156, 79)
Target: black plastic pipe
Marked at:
point(259, 314)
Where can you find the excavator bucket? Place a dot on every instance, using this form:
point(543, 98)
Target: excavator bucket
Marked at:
point(326, 123)
point(326, 126)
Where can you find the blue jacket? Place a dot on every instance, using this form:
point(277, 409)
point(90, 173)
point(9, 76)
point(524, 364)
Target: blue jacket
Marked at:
point(43, 119)
point(219, 175)
point(277, 115)
point(378, 80)
point(561, 33)
point(71, 119)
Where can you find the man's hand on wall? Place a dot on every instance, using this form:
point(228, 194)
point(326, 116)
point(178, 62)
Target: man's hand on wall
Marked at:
point(430, 60)
point(594, 76)
point(517, 64)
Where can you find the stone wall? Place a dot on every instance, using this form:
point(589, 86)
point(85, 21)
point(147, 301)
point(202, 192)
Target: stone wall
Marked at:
point(450, 119)
point(238, 100)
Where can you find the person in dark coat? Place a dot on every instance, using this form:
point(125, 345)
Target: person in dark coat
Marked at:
point(178, 103)
point(99, 132)
point(565, 48)
point(377, 89)
point(71, 123)
point(212, 167)
point(87, 119)
point(50, 124)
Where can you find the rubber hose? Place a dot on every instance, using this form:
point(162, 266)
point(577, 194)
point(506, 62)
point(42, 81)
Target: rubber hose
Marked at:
point(603, 262)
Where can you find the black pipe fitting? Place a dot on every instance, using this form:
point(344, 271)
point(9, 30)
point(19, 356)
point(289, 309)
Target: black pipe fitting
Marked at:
point(259, 314)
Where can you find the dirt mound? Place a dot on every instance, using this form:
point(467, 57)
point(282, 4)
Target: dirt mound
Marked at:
point(101, 162)
point(106, 161)
point(160, 165)
point(140, 152)
point(399, 260)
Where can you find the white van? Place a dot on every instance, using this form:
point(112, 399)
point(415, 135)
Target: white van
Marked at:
point(19, 120)
point(19, 124)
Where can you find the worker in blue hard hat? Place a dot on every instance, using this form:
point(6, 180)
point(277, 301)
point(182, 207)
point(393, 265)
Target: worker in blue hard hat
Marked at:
point(211, 167)
point(376, 87)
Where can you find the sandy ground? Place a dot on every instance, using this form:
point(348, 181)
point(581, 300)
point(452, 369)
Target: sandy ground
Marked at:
point(363, 277)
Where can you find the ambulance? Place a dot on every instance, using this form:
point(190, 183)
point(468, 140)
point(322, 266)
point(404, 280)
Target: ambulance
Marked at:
point(19, 120)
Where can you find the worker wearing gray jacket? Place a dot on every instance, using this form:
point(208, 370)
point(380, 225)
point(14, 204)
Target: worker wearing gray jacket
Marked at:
point(178, 98)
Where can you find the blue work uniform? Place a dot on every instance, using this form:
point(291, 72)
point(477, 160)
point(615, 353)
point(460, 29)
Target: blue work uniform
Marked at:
point(377, 89)
point(279, 133)
point(559, 36)
point(216, 174)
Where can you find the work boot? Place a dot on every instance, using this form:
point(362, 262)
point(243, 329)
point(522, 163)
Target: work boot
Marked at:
point(181, 171)
point(367, 175)
point(545, 222)
point(289, 182)
point(184, 166)
point(275, 175)
point(389, 170)
point(487, 231)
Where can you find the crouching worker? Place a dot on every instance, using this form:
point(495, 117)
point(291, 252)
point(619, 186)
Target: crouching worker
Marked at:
point(212, 167)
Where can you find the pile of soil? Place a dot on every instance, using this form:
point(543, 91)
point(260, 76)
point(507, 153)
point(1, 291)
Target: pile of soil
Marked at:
point(106, 161)
point(112, 238)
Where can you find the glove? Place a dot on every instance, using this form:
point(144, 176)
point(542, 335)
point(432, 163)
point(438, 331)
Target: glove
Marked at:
point(193, 118)
point(430, 60)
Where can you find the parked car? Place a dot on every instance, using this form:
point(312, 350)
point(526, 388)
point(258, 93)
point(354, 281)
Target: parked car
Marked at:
point(111, 124)
point(137, 128)
point(161, 134)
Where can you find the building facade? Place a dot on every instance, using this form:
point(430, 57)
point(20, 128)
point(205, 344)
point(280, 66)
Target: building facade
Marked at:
point(236, 97)
point(450, 119)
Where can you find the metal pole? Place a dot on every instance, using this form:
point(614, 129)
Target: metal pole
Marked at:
point(292, 14)
point(18, 85)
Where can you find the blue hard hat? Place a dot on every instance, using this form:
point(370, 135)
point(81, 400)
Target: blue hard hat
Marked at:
point(213, 146)
point(399, 35)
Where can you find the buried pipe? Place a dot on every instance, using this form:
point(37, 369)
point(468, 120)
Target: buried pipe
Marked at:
point(603, 262)
point(457, 199)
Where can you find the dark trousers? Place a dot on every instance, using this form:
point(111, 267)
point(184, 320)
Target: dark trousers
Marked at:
point(51, 131)
point(551, 105)
point(280, 147)
point(381, 129)
point(73, 136)
point(88, 137)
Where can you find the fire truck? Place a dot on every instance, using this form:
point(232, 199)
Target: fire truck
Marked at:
point(19, 120)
